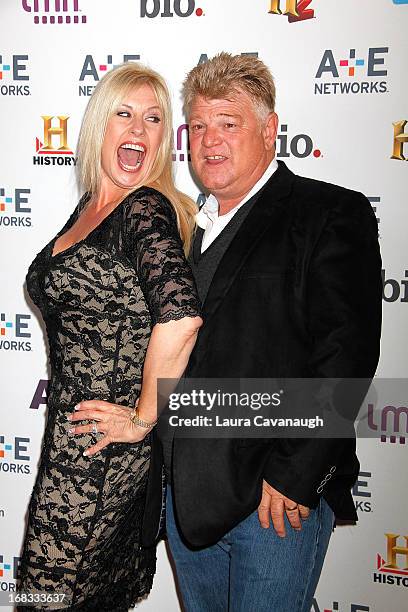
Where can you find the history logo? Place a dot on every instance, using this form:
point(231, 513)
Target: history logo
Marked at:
point(295, 10)
point(13, 75)
point(14, 329)
point(54, 11)
point(170, 8)
point(94, 70)
point(394, 569)
point(15, 210)
point(399, 140)
point(54, 151)
point(352, 72)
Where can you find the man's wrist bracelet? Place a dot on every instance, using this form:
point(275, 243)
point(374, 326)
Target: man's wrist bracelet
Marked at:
point(136, 420)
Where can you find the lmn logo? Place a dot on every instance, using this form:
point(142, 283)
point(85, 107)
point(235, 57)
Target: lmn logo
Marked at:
point(54, 11)
point(295, 10)
point(400, 138)
point(55, 131)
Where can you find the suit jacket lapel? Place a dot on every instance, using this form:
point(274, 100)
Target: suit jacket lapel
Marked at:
point(264, 212)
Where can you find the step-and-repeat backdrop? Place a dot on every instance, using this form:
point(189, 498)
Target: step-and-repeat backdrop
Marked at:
point(341, 73)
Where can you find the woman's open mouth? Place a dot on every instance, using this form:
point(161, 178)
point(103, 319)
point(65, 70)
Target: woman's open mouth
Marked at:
point(131, 156)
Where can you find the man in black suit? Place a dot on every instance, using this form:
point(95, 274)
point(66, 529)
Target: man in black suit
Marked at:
point(289, 273)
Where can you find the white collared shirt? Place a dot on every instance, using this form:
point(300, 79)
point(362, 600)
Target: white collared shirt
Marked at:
point(212, 223)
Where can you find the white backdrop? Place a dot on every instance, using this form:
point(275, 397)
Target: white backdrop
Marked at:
point(341, 79)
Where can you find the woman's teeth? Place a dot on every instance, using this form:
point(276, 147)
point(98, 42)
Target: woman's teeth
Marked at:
point(126, 167)
point(131, 156)
point(135, 147)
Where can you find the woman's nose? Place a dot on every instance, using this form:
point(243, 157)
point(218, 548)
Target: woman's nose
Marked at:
point(137, 126)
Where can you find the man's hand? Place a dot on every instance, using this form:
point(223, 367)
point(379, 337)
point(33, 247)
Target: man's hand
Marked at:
point(275, 504)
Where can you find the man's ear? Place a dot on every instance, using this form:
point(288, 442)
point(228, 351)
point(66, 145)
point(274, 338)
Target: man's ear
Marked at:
point(270, 130)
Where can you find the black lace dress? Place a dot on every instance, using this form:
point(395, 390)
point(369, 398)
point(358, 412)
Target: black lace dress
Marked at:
point(99, 299)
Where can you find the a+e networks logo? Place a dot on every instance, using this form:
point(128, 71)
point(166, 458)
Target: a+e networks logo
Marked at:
point(8, 571)
point(348, 71)
point(169, 8)
point(54, 151)
point(336, 607)
point(13, 72)
point(94, 70)
point(295, 10)
point(13, 330)
point(14, 208)
point(362, 494)
point(54, 11)
point(12, 450)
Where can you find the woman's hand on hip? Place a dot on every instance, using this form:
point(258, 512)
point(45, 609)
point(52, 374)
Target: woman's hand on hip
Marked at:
point(109, 419)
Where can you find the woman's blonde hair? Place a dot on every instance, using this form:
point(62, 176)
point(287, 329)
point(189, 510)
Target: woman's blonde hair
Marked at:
point(106, 98)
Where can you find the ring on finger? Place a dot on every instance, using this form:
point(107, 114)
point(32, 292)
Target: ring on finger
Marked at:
point(292, 509)
point(94, 429)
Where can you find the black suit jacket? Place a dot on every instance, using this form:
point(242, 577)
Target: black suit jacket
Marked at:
point(297, 294)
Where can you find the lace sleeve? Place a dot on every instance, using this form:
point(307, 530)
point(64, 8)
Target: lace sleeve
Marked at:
point(154, 246)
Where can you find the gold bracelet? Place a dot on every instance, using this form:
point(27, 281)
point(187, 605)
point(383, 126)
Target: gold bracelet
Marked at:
point(136, 420)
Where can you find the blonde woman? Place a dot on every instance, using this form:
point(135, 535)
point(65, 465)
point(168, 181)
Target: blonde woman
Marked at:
point(121, 311)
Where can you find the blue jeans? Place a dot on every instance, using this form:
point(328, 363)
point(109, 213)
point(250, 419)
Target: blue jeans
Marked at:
point(251, 568)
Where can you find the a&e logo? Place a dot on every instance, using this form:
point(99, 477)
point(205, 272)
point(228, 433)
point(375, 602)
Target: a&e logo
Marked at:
point(91, 69)
point(13, 73)
point(54, 151)
point(393, 570)
point(295, 10)
point(14, 208)
point(40, 396)
point(349, 70)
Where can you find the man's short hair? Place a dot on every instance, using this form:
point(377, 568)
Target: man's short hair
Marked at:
point(225, 74)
